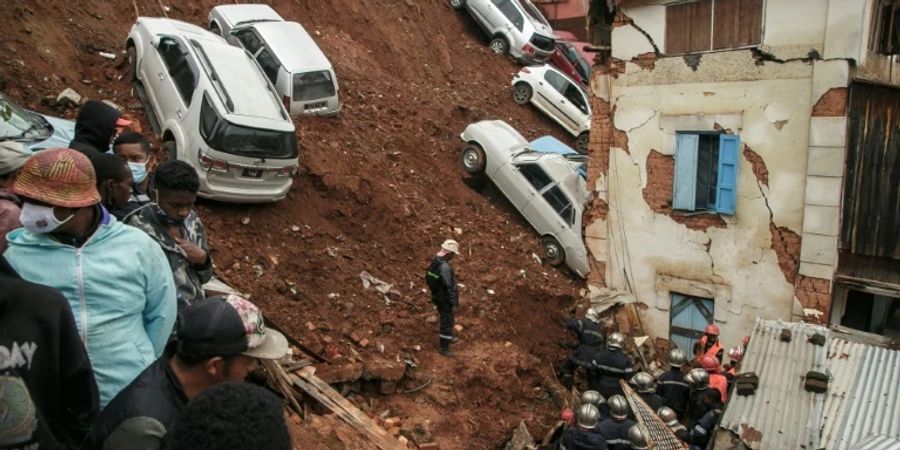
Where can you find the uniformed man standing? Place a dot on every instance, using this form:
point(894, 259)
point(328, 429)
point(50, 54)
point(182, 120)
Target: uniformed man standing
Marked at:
point(611, 365)
point(441, 281)
point(590, 341)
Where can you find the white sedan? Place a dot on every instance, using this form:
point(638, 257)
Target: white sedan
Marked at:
point(557, 96)
point(545, 187)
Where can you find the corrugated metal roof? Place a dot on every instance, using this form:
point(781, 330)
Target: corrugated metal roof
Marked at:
point(863, 398)
point(878, 443)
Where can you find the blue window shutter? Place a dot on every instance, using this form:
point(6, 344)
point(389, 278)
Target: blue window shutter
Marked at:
point(686, 172)
point(726, 185)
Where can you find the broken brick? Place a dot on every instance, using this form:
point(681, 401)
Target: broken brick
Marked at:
point(832, 103)
point(383, 369)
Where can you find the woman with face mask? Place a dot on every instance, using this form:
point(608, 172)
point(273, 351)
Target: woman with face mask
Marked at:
point(114, 181)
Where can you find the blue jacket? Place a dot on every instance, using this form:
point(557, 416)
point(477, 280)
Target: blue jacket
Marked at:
point(120, 288)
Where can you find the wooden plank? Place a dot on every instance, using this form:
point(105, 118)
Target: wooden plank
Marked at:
point(701, 25)
point(678, 28)
point(725, 23)
point(348, 412)
point(749, 29)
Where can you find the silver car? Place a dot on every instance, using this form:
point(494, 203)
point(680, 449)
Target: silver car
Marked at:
point(34, 131)
point(545, 187)
point(515, 27)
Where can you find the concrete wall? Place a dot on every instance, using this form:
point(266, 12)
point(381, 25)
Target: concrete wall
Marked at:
point(776, 256)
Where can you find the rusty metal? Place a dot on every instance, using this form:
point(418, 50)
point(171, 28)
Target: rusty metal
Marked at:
point(661, 436)
point(871, 215)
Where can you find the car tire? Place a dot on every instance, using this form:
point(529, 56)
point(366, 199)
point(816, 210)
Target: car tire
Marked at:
point(457, 4)
point(171, 150)
point(581, 143)
point(473, 159)
point(522, 93)
point(131, 56)
point(553, 251)
point(499, 45)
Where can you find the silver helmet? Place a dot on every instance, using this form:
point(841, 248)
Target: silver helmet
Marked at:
point(592, 398)
point(615, 340)
point(618, 407)
point(638, 438)
point(643, 382)
point(698, 379)
point(593, 315)
point(587, 416)
point(668, 416)
point(677, 357)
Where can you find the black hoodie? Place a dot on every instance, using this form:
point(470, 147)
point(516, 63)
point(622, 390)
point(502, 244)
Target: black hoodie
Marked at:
point(40, 339)
point(94, 128)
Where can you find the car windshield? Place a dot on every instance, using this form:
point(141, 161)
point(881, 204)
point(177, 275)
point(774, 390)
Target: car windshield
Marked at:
point(20, 124)
point(227, 137)
point(533, 11)
point(313, 85)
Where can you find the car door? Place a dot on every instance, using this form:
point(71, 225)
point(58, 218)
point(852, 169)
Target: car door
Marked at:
point(561, 59)
point(548, 96)
point(168, 54)
point(480, 10)
point(576, 107)
point(521, 182)
point(551, 212)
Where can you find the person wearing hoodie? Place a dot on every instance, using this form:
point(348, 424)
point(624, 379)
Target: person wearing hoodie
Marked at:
point(116, 279)
point(38, 326)
point(113, 182)
point(134, 148)
point(96, 126)
point(12, 158)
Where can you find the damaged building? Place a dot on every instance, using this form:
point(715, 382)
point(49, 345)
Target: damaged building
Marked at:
point(744, 161)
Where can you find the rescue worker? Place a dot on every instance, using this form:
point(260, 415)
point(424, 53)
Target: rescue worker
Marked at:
point(584, 436)
point(596, 399)
point(668, 416)
point(698, 380)
point(702, 430)
point(615, 429)
point(590, 340)
point(643, 384)
point(638, 438)
point(611, 365)
point(709, 343)
point(441, 281)
point(735, 354)
point(671, 385)
point(716, 380)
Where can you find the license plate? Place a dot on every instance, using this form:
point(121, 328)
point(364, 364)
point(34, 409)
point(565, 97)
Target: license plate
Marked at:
point(315, 105)
point(253, 173)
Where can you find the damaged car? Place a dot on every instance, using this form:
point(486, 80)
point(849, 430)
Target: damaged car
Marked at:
point(33, 130)
point(546, 187)
point(559, 97)
point(515, 27)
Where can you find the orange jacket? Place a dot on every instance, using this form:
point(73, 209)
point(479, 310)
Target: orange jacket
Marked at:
point(713, 351)
point(718, 381)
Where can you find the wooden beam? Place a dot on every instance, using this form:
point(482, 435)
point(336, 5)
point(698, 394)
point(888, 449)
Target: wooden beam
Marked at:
point(348, 412)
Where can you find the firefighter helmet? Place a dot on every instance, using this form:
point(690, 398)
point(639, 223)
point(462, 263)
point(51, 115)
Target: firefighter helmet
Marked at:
point(698, 379)
point(712, 329)
point(677, 357)
point(615, 340)
point(618, 407)
point(638, 438)
point(588, 416)
point(592, 398)
point(593, 315)
point(710, 363)
point(668, 416)
point(643, 382)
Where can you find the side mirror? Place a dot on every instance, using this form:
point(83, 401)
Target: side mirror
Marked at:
point(154, 41)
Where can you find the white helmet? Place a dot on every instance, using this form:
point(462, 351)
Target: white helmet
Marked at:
point(587, 416)
point(638, 438)
point(677, 357)
point(593, 315)
point(618, 407)
point(615, 340)
point(592, 398)
point(668, 416)
point(643, 382)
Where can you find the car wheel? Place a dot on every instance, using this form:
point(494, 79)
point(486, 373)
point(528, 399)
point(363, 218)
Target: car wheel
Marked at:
point(581, 143)
point(214, 28)
point(457, 4)
point(473, 159)
point(499, 45)
point(522, 93)
point(553, 252)
point(171, 150)
point(131, 56)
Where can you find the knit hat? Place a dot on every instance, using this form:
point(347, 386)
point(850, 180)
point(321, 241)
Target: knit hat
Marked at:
point(12, 156)
point(228, 325)
point(58, 177)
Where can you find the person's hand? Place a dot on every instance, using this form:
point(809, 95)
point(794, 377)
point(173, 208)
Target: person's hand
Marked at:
point(196, 255)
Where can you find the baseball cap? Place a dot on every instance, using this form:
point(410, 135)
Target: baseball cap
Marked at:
point(58, 177)
point(228, 325)
point(450, 246)
point(12, 157)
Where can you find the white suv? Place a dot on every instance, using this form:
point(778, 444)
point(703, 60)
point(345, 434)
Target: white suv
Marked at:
point(213, 107)
point(515, 27)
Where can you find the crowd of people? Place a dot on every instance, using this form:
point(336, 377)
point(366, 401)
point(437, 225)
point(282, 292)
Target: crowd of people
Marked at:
point(688, 397)
point(107, 338)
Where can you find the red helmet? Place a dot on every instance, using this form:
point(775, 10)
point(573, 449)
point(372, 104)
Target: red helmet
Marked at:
point(712, 329)
point(710, 363)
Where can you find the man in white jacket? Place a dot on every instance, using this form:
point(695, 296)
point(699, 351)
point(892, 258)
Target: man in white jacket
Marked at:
point(116, 279)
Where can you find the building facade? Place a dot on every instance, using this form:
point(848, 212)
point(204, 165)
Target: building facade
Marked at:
point(744, 160)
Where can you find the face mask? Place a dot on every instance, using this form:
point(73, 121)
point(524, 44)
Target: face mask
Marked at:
point(138, 171)
point(40, 219)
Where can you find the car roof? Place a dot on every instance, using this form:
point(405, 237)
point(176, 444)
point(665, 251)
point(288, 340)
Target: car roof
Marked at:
point(570, 181)
point(172, 27)
point(294, 47)
point(548, 66)
point(243, 81)
point(238, 14)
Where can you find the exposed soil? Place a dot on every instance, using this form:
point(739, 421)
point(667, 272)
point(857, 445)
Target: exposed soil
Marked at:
point(380, 187)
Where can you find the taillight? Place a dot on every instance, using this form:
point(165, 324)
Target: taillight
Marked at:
point(287, 103)
point(528, 49)
point(288, 171)
point(208, 163)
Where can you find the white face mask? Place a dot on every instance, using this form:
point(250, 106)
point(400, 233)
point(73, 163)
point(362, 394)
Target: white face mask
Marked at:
point(40, 219)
